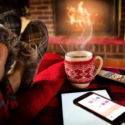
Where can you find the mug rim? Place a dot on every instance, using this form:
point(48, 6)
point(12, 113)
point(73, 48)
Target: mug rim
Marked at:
point(78, 51)
point(70, 58)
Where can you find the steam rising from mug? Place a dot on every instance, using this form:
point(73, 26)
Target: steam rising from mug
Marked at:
point(82, 40)
point(79, 44)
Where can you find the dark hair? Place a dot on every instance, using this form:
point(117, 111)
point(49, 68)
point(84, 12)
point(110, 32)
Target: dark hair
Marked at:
point(20, 7)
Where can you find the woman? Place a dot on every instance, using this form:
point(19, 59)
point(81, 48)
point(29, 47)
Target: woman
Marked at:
point(26, 52)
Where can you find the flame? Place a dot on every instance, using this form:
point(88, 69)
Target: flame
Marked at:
point(78, 17)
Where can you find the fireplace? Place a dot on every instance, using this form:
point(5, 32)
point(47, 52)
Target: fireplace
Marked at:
point(104, 16)
point(107, 48)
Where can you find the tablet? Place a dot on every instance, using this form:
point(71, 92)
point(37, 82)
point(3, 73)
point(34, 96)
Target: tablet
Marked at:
point(73, 115)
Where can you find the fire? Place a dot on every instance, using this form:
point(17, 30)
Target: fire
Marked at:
point(78, 17)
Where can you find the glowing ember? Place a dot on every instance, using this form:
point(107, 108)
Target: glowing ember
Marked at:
point(78, 17)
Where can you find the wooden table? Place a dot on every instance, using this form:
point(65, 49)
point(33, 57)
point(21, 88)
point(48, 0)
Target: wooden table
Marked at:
point(112, 63)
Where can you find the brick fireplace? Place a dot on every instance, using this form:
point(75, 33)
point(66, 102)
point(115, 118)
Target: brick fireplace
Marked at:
point(71, 16)
point(44, 11)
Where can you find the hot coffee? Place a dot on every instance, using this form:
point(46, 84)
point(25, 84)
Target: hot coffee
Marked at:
point(79, 68)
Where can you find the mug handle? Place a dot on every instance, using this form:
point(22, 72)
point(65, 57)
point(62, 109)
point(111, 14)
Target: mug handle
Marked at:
point(100, 66)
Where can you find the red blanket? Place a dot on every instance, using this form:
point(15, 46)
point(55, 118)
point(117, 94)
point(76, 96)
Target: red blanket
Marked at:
point(48, 81)
point(40, 104)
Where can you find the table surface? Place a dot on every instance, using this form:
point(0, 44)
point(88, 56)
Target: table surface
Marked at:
point(112, 63)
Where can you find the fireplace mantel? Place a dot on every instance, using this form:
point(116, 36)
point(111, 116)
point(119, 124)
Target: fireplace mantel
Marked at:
point(97, 41)
point(107, 48)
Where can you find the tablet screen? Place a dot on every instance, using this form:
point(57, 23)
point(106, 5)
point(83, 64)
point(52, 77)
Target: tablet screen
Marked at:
point(73, 115)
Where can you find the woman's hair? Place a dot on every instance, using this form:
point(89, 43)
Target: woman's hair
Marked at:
point(20, 7)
